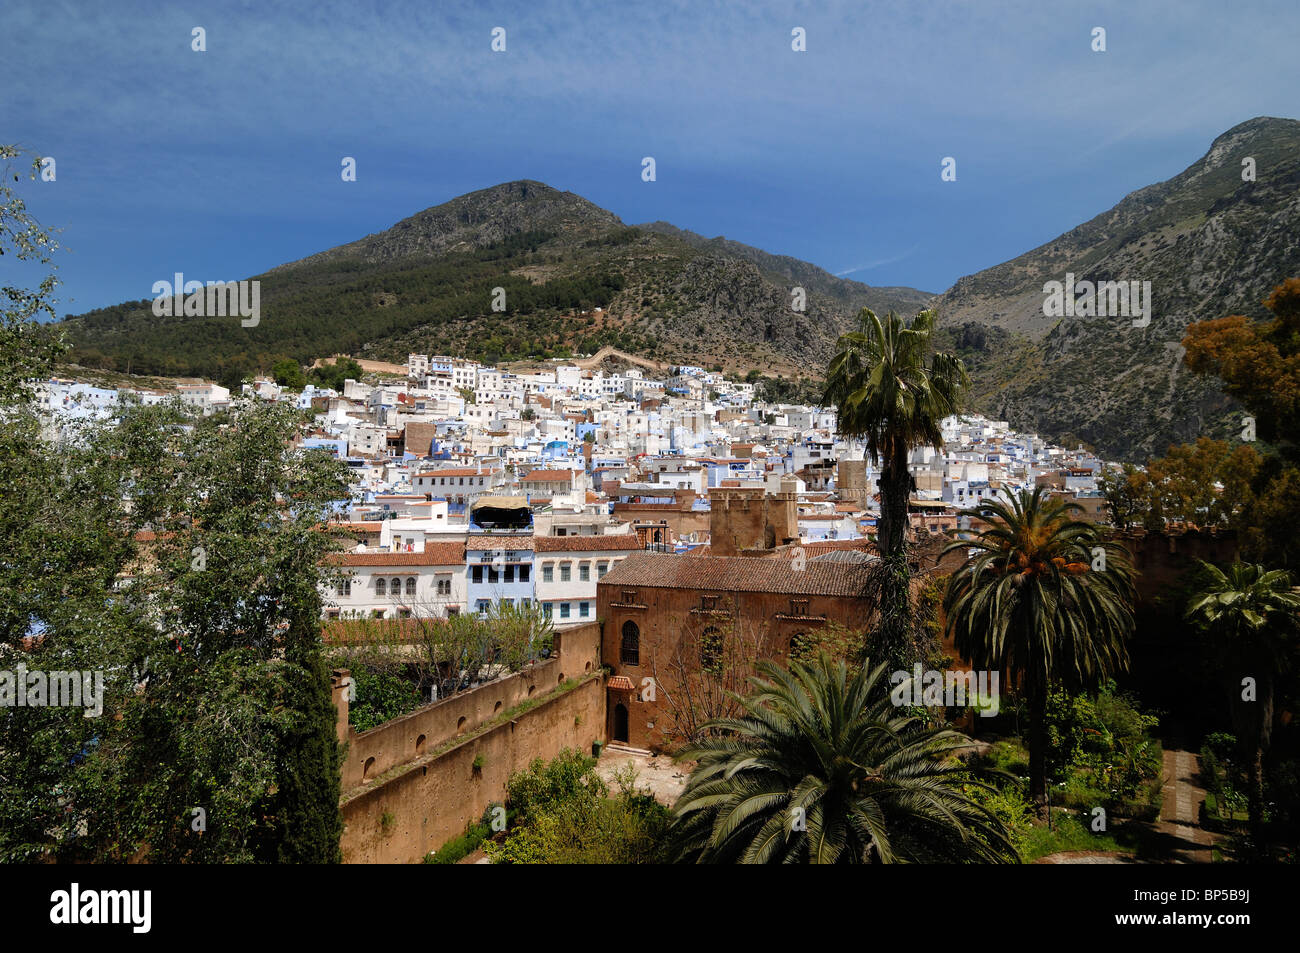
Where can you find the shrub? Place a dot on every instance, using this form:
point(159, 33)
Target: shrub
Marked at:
point(381, 696)
point(565, 813)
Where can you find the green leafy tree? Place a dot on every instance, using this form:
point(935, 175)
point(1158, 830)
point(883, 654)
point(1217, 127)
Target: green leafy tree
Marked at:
point(380, 697)
point(185, 557)
point(1128, 496)
point(334, 376)
point(1249, 613)
point(27, 347)
point(1044, 600)
point(287, 373)
point(823, 768)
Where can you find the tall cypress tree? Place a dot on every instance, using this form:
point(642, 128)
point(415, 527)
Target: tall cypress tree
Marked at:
point(308, 824)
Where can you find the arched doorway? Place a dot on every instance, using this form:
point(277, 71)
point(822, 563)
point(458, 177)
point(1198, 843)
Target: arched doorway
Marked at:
point(620, 723)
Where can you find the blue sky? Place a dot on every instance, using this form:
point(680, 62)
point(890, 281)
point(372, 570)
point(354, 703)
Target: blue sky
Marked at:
point(224, 163)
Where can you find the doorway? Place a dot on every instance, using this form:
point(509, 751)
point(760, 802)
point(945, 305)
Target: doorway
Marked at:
point(620, 723)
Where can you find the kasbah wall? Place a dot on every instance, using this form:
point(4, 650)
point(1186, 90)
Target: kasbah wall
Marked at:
point(406, 793)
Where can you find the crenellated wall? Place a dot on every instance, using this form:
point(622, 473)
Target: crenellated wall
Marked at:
point(411, 784)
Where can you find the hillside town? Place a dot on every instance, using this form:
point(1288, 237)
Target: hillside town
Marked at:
point(474, 484)
point(422, 446)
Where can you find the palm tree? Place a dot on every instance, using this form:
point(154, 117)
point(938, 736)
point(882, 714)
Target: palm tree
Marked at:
point(884, 390)
point(1043, 599)
point(1250, 613)
point(822, 768)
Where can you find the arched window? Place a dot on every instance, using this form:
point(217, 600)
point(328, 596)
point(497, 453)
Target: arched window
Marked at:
point(381, 586)
point(395, 587)
point(630, 650)
point(410, 585)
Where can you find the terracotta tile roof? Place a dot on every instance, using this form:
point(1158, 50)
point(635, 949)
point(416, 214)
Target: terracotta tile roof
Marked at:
point(570, 544)
point(821, 546)
point(548, 476)
point(620, 683)
point(737, 574)
point(435, 554)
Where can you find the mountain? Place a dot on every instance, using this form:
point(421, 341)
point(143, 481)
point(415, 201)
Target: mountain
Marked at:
point(1209, 243)
point(474, 222)
point(851, 294)
point(575, 278)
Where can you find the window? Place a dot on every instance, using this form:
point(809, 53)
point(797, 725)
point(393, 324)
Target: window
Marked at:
point(524, 573)
point(629, 652)
point(410, 585)
point(381, 586)
point(708, 603)
point(548, 609)
point(395, 587)
point(345, 587)
point(584, 572)
point(711, 651)
point(493, 575)
point(564, 610)
point(444, 587)
point(584, 609)
point(566, 571)
point(477, 573)
point(403, 613)
point(601, 569)
point(548, 572)
point(451, 611)
point(510, 574)
point(798, 606)
point(629, 596)
point(483, 606)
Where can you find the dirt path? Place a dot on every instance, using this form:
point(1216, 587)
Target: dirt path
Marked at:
point(1177, 837)
point(1187, 841)
point(587, 363)
point(373, 367)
